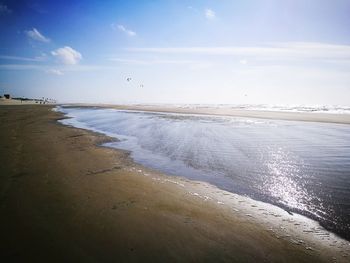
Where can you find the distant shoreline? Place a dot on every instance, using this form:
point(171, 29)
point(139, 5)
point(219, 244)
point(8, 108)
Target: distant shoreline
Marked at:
point(263, 114)
point(17, 101)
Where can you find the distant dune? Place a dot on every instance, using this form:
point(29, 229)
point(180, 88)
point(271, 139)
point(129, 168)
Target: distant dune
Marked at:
point(4, 101)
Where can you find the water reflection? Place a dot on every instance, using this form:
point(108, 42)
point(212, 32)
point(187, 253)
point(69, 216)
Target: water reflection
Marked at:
point(287, 182)
point(283, 180)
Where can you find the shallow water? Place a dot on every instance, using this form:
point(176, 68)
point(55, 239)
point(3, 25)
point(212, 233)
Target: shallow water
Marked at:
point(301, 166)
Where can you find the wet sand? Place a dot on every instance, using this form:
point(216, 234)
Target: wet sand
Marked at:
point(260, 114)
point(64, 198)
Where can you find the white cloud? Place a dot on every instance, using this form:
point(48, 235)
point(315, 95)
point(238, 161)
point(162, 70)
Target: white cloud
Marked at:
point(209, 14)
point(67, 55)
point(55, 72)
point(4, 9)
point(36, 35)
point(243, 61)
point(123, 29)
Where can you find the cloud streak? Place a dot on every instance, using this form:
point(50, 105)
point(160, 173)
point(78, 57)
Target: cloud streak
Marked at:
point(292, 50)
point(123, 29)
point(55, 72)
point(151, 61)
point(36, 59)
point(34, 34)
point(20, 67)
point(58, 70)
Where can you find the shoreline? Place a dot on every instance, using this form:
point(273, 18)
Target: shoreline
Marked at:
point(312, 225)
point(99, 197)
point(256, 114)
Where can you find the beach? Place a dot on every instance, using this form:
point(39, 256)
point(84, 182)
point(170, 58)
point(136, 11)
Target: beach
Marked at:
point(229, 111)
point(66, 198)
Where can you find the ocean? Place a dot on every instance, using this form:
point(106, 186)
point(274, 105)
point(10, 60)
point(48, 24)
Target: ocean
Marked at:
point(302, 167)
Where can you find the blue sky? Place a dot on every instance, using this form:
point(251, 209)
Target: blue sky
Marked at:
point(280, 52)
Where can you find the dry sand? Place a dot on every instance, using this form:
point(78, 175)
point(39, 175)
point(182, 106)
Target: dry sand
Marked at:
point(63, 198)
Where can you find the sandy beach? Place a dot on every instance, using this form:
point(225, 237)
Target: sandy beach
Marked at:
point(64, 198)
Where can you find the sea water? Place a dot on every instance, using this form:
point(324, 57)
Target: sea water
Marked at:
point(303, 167)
